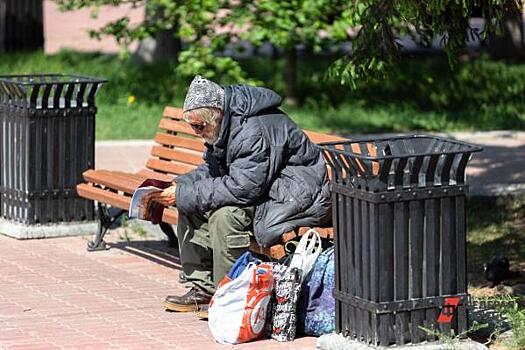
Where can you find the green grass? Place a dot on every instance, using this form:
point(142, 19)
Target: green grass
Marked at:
point(421, 95)
point(496, 226)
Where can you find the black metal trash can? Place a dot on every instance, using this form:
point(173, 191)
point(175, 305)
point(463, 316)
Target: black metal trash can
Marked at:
point(400, 236)
point(47, 135)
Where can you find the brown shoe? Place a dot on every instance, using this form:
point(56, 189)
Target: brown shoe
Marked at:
point(192, 301)
point(202, 314)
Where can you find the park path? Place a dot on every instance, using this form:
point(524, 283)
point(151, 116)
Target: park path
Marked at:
point(55, 295)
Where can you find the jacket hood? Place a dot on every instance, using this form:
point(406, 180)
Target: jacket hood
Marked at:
point(247, 101)
point(242, 101)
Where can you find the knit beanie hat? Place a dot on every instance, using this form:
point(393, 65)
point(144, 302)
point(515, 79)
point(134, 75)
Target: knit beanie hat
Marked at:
point(203, 93)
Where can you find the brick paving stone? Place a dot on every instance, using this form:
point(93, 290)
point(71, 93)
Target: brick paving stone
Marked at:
point(55, 295)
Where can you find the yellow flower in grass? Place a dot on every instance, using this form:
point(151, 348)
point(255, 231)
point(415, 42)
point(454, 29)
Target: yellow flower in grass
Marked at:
point(131, 99)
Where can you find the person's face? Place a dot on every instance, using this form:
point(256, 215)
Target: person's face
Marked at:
point(208, 131)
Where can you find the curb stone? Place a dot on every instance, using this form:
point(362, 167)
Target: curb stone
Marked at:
point(338, 342)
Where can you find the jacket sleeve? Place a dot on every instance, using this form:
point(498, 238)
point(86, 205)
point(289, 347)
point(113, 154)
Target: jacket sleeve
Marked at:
point(248, 178)
point(200, 172)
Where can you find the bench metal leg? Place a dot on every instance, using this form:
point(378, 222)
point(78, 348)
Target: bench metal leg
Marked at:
point(170, 233)
point(104, 223)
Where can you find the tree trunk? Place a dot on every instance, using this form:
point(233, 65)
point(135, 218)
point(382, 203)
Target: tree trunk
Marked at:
point(165, 45)
point(292, 97)
point(510, 44)
point(21, 25)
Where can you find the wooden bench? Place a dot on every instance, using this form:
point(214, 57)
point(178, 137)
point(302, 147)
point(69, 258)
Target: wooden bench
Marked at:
point(177, 151)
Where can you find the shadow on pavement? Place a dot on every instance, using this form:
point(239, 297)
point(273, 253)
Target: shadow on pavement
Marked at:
point(157, 251)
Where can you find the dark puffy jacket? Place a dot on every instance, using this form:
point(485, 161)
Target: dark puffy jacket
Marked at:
point(260, 158)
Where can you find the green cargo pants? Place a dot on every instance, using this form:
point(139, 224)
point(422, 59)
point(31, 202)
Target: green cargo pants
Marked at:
point(209, 244)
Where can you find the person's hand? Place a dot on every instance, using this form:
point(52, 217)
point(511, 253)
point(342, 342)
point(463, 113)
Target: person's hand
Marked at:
point(166, 197)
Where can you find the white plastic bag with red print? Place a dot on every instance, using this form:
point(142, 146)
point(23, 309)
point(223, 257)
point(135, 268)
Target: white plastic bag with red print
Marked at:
point(238, 309)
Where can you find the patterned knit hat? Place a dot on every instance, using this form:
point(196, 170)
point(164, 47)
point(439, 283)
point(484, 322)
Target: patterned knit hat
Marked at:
point(203, 93)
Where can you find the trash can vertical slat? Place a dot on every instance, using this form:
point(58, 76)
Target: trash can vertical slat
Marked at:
point(30, 166)
point(80, 154)
point(448, 252)
point(416, 230)
point(445, 172)
point(10, 169)
point(365, 277)
point(460, 172)
point(57, 192)
point(80, 94)
point(386, 258)
point(349, 243)
point(430, 172)
point(45, 96)
point(461, 248)
point(415, 171)
point(88, 208)
point(337, 259)
point(20, 165)
point(432, 246)
point(375, 282)
point(36, 175)
point(356, 246)
point(91, 95)
point(343, 243)
point(50, 167)
point(401, 266)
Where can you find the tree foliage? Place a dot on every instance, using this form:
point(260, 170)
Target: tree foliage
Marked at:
point(373, 27)
point(383, 22)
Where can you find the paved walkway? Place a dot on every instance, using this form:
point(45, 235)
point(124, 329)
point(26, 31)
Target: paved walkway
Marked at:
point(499, 169)
point(55, 295)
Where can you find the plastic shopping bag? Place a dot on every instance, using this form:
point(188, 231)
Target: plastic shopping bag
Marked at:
point(238, 309)
point(284, 302)
point(238, 267)
point(316, 309)
point(288, 278)
point(306, 253)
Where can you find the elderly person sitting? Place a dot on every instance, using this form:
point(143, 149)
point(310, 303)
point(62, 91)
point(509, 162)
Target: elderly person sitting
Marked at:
point(261, 174)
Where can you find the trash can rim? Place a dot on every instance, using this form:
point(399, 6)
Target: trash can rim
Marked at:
point(74, 78)
point(472, 148)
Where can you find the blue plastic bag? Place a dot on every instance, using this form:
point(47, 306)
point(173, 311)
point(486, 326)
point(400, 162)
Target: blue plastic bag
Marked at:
point(316, 309)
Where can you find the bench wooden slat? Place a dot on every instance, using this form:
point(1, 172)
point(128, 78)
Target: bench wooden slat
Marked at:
point(275, 251)
point(172, 112)
point(317, 137)
point(169, 167)
point(120, 182)
point(180, 155)
point(324, 232)
point(288, 236)
point(177, 126)
point(105, 196)
point(121, 174)
point(195, 144)
point(150, 174)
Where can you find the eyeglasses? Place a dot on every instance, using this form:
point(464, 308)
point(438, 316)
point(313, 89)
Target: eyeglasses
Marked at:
point(198, 127)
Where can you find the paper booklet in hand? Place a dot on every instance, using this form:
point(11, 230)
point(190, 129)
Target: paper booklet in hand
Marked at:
point(142, 206)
